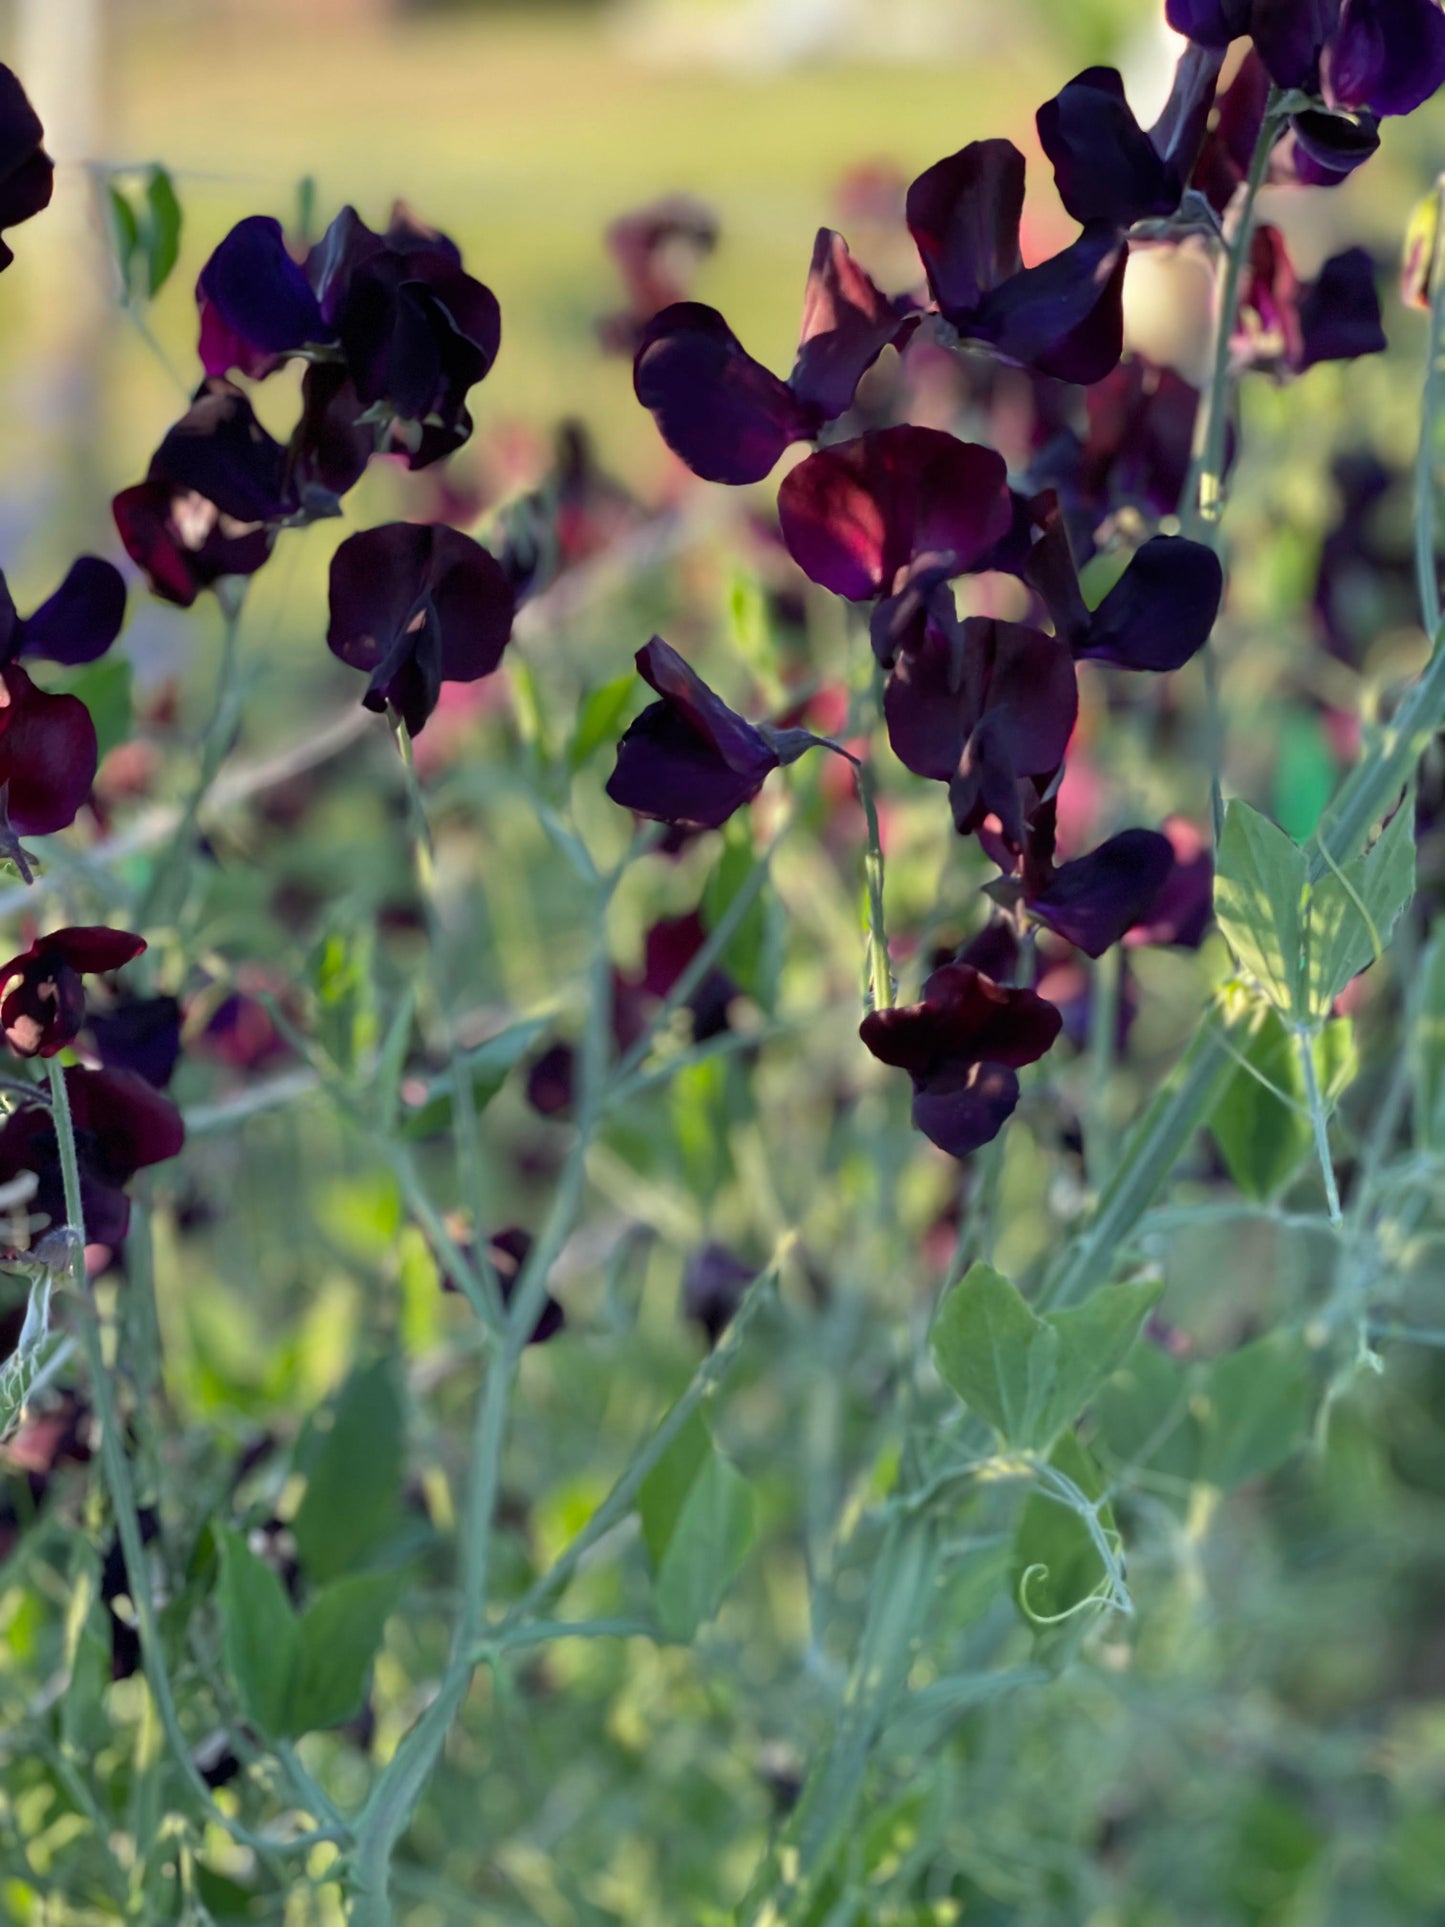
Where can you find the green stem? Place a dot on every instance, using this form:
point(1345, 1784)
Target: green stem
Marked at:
point(122, 1501)
point(1320, 1121)
point(1204, 495)
point(880, 991)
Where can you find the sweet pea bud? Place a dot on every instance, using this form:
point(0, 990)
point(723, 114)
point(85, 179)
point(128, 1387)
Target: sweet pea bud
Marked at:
point(1422, 241)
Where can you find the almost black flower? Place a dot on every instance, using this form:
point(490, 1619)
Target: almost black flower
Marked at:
point(121, 1123)
point(48, 755)
point(214, 495)
point(713, 1286)
point(727, 416)
point(1289, 326)
point(76, 624)
point(27, 173)
point(1106, 167)
point(1094, 899)
point(42, 999)
point(1184, 908)
point(980, 705)
point(1064, 317)
point(689, 759)
point(415, 605)
point(140, 1034)
point(963, 1046)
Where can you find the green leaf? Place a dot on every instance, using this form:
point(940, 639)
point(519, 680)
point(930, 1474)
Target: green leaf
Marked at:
point(391, 1060)
point(1056, 1564)
point(84, 1721)
point(340, 1632)
point(1260, 1121)
point(1144, 1416)
point(124, 236)
point(600, 719)
point(664, 1491)
point(163, 239)
point(488, 1066)
point(1030, 1377)
point(259, 1635)
point(1352, 914)
point(1259, 888)
point(352, 1503)
point(340, 971)
point(1429, 1052)
point(706, 1550)
point(1254, 1407)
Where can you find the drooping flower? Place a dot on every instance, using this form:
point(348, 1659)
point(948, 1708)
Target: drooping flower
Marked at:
point(214, 495)
point(140, 1034)
point(963, 1046)
point(730, 418)
point(121, 1124)
point(1289, 326)
point(27, 173)
point(980, 705)
point(76, 624)
point(48, 755)
point(42, 998)
point(689, 759)
point(1106, 167)
point(1064, 317)
point(414, 605)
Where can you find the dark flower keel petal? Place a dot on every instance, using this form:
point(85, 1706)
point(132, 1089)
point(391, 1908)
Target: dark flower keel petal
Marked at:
point(182, 543)
point(1095, 899)
point(964, 214)
point(140, 1034)
point(1160, 612)
point(688, 759)
point(1105, 166)
point(847, 323)
point(83, 617)
point(260, 303)
point(48, 754)
point(962, 1111)
point(1339, 312)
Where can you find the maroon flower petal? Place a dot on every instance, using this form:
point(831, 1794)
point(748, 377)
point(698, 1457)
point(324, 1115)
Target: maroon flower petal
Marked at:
point(962, 1110)
point(131, 1123)
point(847, 323)
point(48, 754)
point(182, 543)
point(856, 515)
point(688, 759)
point(1388, 55)
point(27, 173)
point(83, 617)
point(719, 411)
point(141, 1034)
point(1096, 898)
point(963, 1017)
point(964, 214)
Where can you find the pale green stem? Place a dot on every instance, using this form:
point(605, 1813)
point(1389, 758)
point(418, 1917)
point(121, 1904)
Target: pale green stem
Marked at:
point(122, 1501)
point(1319, 1119)
point(881, 990)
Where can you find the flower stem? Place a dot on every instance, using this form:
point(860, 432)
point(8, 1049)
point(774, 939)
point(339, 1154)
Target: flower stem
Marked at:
point(879, 994)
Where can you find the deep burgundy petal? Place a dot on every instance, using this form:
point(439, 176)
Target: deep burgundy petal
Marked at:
point(963, 1017)
point(91, 948)
point(667, 771)
point(739, 745)
point(1019, 678)
point(1095, 899)
point(83, 617)
point(855, 515)
point(1105, 165)
point(1389, 55)
point(182, 542)
point(345, 248)
point(474, 604)
point(377, 578)
point(43, 1007)
point(1066, 316)
point(1339, 313)
point(218, 450)
point(1140, 438)
point(131, 1123)
point(47, 754)
point(719, 411)
point(1160, 611)
point(260, 297)
point(847, 323)
point(1290, 36)
point(330, 445)
point(1184, 908)
point(964, 214)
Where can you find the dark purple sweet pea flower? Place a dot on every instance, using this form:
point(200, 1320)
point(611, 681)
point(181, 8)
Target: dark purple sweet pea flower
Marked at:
point(1064, 317)
point(981, 705)
point(76, 624)
point(1106, 167)
point(893, 514)
point(713, 1286)
point(48, 755)
point(1184, 908)
point(963, 1046)
point(1387, 56)
point(122, 1124)
point(1093, 900)
point(331, 444)
point(27, 173)
point(656, 249)
point(1140, 438)
point(507, 1252)
point(140, 1034)
point(1157, 615)
point(214, 495)
point(1290, 35)
point(1289, 327)
point(689, 759)
point(42, 998)
point(415, 605)
point(668, 949)
point(727, 416)
point(256, 304)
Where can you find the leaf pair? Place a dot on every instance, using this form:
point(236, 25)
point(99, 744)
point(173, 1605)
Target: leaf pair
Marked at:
point(1301, 941)
point(697, 1523)
point(1031, 1377)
